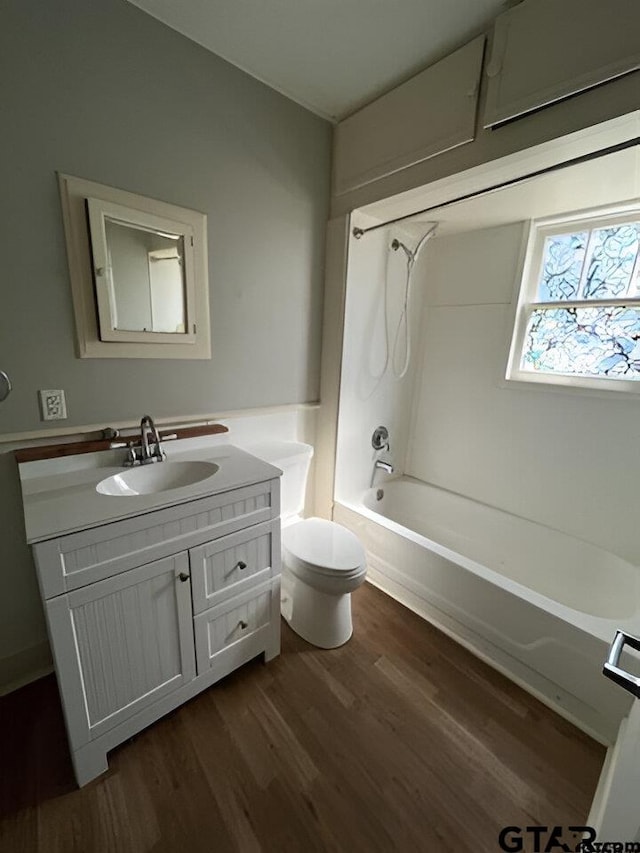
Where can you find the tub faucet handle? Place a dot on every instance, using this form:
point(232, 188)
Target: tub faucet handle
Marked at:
point(380, 438)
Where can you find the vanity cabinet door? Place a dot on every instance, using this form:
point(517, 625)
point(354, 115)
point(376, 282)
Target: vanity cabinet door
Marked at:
point(122, 644)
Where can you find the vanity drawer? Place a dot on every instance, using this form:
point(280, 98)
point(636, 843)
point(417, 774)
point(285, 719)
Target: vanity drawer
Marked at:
point(72, 561)
point(236, 630)
point(232, 564)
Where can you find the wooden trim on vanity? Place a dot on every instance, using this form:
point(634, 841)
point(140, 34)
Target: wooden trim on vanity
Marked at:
point(53, 451)
point(193, 432)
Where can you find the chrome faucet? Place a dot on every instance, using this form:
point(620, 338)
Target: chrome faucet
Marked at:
point(383, 466)
point(147, 427)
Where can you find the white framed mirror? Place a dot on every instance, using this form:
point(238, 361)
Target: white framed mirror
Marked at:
point(138, 271)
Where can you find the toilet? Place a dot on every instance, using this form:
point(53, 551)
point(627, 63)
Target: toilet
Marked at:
point(322, 562)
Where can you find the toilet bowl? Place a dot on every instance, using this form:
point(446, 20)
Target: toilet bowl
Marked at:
point(322, 562)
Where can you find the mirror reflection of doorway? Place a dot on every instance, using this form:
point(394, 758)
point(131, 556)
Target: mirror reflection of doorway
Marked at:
point(166, 291)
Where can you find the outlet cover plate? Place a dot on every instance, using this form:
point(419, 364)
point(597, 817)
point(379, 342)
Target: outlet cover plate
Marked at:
point(53, 405)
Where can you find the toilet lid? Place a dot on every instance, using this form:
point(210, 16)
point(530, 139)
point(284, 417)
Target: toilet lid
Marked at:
point(324, 546)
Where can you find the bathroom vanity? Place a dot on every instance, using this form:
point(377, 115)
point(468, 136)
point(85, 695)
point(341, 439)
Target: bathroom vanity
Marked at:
point(151, 598)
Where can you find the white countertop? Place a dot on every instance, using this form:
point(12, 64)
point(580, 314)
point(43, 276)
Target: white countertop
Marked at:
point(64, 499)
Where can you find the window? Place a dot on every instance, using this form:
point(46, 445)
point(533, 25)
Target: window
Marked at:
point(578, 314)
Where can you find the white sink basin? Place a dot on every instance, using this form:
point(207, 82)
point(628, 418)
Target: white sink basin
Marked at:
point(158, 477)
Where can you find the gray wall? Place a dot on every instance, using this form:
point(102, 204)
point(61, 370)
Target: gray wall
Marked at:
point(98, 89)
point(101, 90)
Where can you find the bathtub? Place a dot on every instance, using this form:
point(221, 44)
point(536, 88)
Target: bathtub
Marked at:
point(537, 604)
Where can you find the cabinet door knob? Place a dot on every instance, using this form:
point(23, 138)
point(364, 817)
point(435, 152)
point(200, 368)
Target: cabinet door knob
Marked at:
point(240, 565)
point(242, 624)
point(183, 576)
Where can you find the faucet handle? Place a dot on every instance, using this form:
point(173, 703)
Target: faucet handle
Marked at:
point(380, 438)
point(132, 458)
point(148, 430)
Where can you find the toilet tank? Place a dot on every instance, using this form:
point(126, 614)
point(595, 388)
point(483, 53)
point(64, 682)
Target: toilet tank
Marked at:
point(293, 458)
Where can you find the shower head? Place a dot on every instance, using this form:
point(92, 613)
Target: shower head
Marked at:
point(398, 244)
point(412, 256)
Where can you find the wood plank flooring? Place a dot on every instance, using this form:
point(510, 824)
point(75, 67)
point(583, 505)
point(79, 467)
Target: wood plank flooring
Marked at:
point(400, 740)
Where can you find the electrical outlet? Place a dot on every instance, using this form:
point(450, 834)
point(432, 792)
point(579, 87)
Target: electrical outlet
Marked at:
point(53, 405)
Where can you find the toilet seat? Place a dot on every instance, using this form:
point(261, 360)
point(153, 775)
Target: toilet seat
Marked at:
point(323, 547)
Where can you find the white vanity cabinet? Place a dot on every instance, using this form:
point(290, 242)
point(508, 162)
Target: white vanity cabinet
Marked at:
point(146, 611)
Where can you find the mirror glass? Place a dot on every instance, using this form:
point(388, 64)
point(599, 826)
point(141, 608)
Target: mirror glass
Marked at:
point(145, 278)
point(143, 274)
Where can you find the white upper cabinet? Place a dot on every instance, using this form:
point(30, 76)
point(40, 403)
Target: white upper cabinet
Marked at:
point(546, 50)
point(429, 114)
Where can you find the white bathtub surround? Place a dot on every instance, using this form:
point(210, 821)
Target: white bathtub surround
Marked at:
point(370, 393)
point(538, 604)
point(552, 455)
point(559, 458)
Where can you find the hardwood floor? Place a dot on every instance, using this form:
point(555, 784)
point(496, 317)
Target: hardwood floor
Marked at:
point(399, 740)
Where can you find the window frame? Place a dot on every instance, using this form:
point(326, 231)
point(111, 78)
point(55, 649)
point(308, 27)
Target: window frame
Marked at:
point(526, 302)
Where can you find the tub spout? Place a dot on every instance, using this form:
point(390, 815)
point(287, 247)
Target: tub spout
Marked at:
point(384, 466)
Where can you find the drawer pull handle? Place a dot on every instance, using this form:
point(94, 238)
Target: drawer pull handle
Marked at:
point(183, 576)
point(242, 624)
point(240, 565)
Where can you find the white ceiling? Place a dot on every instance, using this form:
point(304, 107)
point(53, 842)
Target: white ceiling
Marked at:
point(331, 56)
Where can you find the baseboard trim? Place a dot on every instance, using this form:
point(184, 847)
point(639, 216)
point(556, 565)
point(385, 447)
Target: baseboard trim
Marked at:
point(25, 666)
